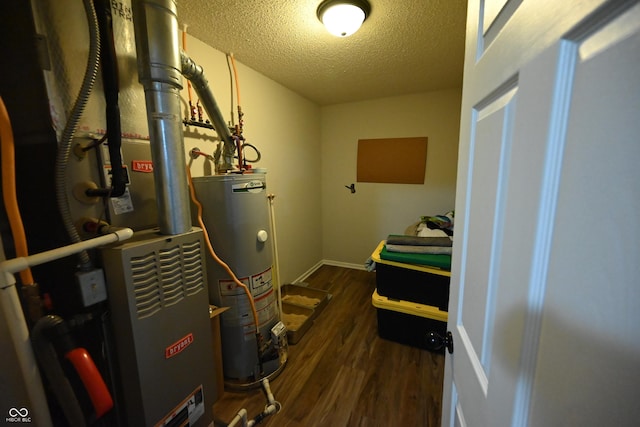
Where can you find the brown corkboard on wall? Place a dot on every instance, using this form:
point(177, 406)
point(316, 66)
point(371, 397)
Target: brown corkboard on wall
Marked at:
point(392, 160)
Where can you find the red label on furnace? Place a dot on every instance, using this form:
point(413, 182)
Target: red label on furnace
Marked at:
point(142, 165)
point(178, 346)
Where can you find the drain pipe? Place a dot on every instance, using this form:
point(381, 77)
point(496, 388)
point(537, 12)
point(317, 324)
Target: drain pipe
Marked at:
point(195, 74)
point(159, 71)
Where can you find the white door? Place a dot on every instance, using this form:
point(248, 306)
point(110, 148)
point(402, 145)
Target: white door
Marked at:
point(545, 291)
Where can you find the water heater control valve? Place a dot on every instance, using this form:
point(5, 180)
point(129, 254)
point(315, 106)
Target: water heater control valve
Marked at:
point(262, 236)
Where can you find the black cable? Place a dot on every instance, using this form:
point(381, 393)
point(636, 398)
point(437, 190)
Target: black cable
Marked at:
point(110, 82)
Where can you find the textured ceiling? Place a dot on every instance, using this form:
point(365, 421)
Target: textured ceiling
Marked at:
point(404, 46)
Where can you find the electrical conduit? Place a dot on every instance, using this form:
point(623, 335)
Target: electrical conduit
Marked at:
point(71, 126)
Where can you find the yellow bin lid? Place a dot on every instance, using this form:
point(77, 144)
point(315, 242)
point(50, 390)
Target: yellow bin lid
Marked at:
point(375, 256)
point(408, 307)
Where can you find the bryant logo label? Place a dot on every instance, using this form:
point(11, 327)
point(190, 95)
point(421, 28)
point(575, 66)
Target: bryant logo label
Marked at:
point(142, 165)
point(18, 415)
point(178, 346)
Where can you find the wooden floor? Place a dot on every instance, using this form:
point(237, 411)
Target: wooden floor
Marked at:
point(342, 374)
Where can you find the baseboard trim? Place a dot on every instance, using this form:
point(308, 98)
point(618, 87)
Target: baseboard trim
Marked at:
point(308, 273)
point(320, 263)
point(343, 264)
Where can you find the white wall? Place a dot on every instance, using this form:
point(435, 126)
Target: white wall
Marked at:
point(353, 224)
point(286, 129)
point(310, 153)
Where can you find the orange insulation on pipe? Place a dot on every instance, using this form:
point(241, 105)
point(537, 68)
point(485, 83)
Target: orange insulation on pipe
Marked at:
point(184, 47)
point(9, 191)
point(92, 380)
point(215, 256)
point(235, 78)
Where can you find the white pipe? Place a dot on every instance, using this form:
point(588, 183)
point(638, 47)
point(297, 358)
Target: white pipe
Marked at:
point(17, 325)
point(19, 264)
point(276, 262)
point(268, 410)
point(271, 408)
point(241, 416)
point(267, 389)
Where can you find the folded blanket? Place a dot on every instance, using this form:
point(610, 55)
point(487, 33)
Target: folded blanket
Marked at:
point(440, 261)
point(396, 239)
point(425, 231)
point(416, 249)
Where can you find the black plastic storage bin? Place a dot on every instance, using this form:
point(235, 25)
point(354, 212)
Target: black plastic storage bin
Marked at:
point(407, 322)
point(410, 284)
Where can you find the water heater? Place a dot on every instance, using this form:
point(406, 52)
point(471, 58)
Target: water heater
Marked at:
point(236, 215)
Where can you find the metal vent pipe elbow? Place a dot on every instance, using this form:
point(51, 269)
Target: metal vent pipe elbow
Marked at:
point(195, 74)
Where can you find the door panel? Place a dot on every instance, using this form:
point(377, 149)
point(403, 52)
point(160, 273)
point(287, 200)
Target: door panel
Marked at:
point(490, 149)
point(491, 10)
point(548, 152)
point(592, 285)
point(496, 14)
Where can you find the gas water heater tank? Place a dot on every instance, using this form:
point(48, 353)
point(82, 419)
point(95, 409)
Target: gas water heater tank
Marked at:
point(236, 216)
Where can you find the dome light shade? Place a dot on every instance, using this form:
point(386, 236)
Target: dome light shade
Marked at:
point(343, 17)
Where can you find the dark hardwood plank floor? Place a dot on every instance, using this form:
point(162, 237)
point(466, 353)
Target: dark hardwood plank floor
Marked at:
point(342, 374)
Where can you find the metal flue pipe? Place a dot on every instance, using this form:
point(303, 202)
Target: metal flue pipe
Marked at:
point(195, 74)
point(159, 72)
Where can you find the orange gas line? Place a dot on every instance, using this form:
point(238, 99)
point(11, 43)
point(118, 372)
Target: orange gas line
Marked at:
point(235, 78)
point(9, 191)
point(192, 108)
point(213, 254)
point(240, 124)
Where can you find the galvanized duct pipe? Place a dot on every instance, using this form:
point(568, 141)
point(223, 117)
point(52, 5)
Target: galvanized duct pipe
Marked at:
point(195, 74)
point(159, 68)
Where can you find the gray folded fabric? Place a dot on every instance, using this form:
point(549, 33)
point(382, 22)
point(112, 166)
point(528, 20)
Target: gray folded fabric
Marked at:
point(418, 241)
point(416, 249)
point(370, 264)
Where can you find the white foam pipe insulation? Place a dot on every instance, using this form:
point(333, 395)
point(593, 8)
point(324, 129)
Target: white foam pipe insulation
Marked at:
point(161, 66)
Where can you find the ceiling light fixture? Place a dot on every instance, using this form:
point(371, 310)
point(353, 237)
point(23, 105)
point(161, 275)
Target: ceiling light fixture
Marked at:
point(343, 17)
